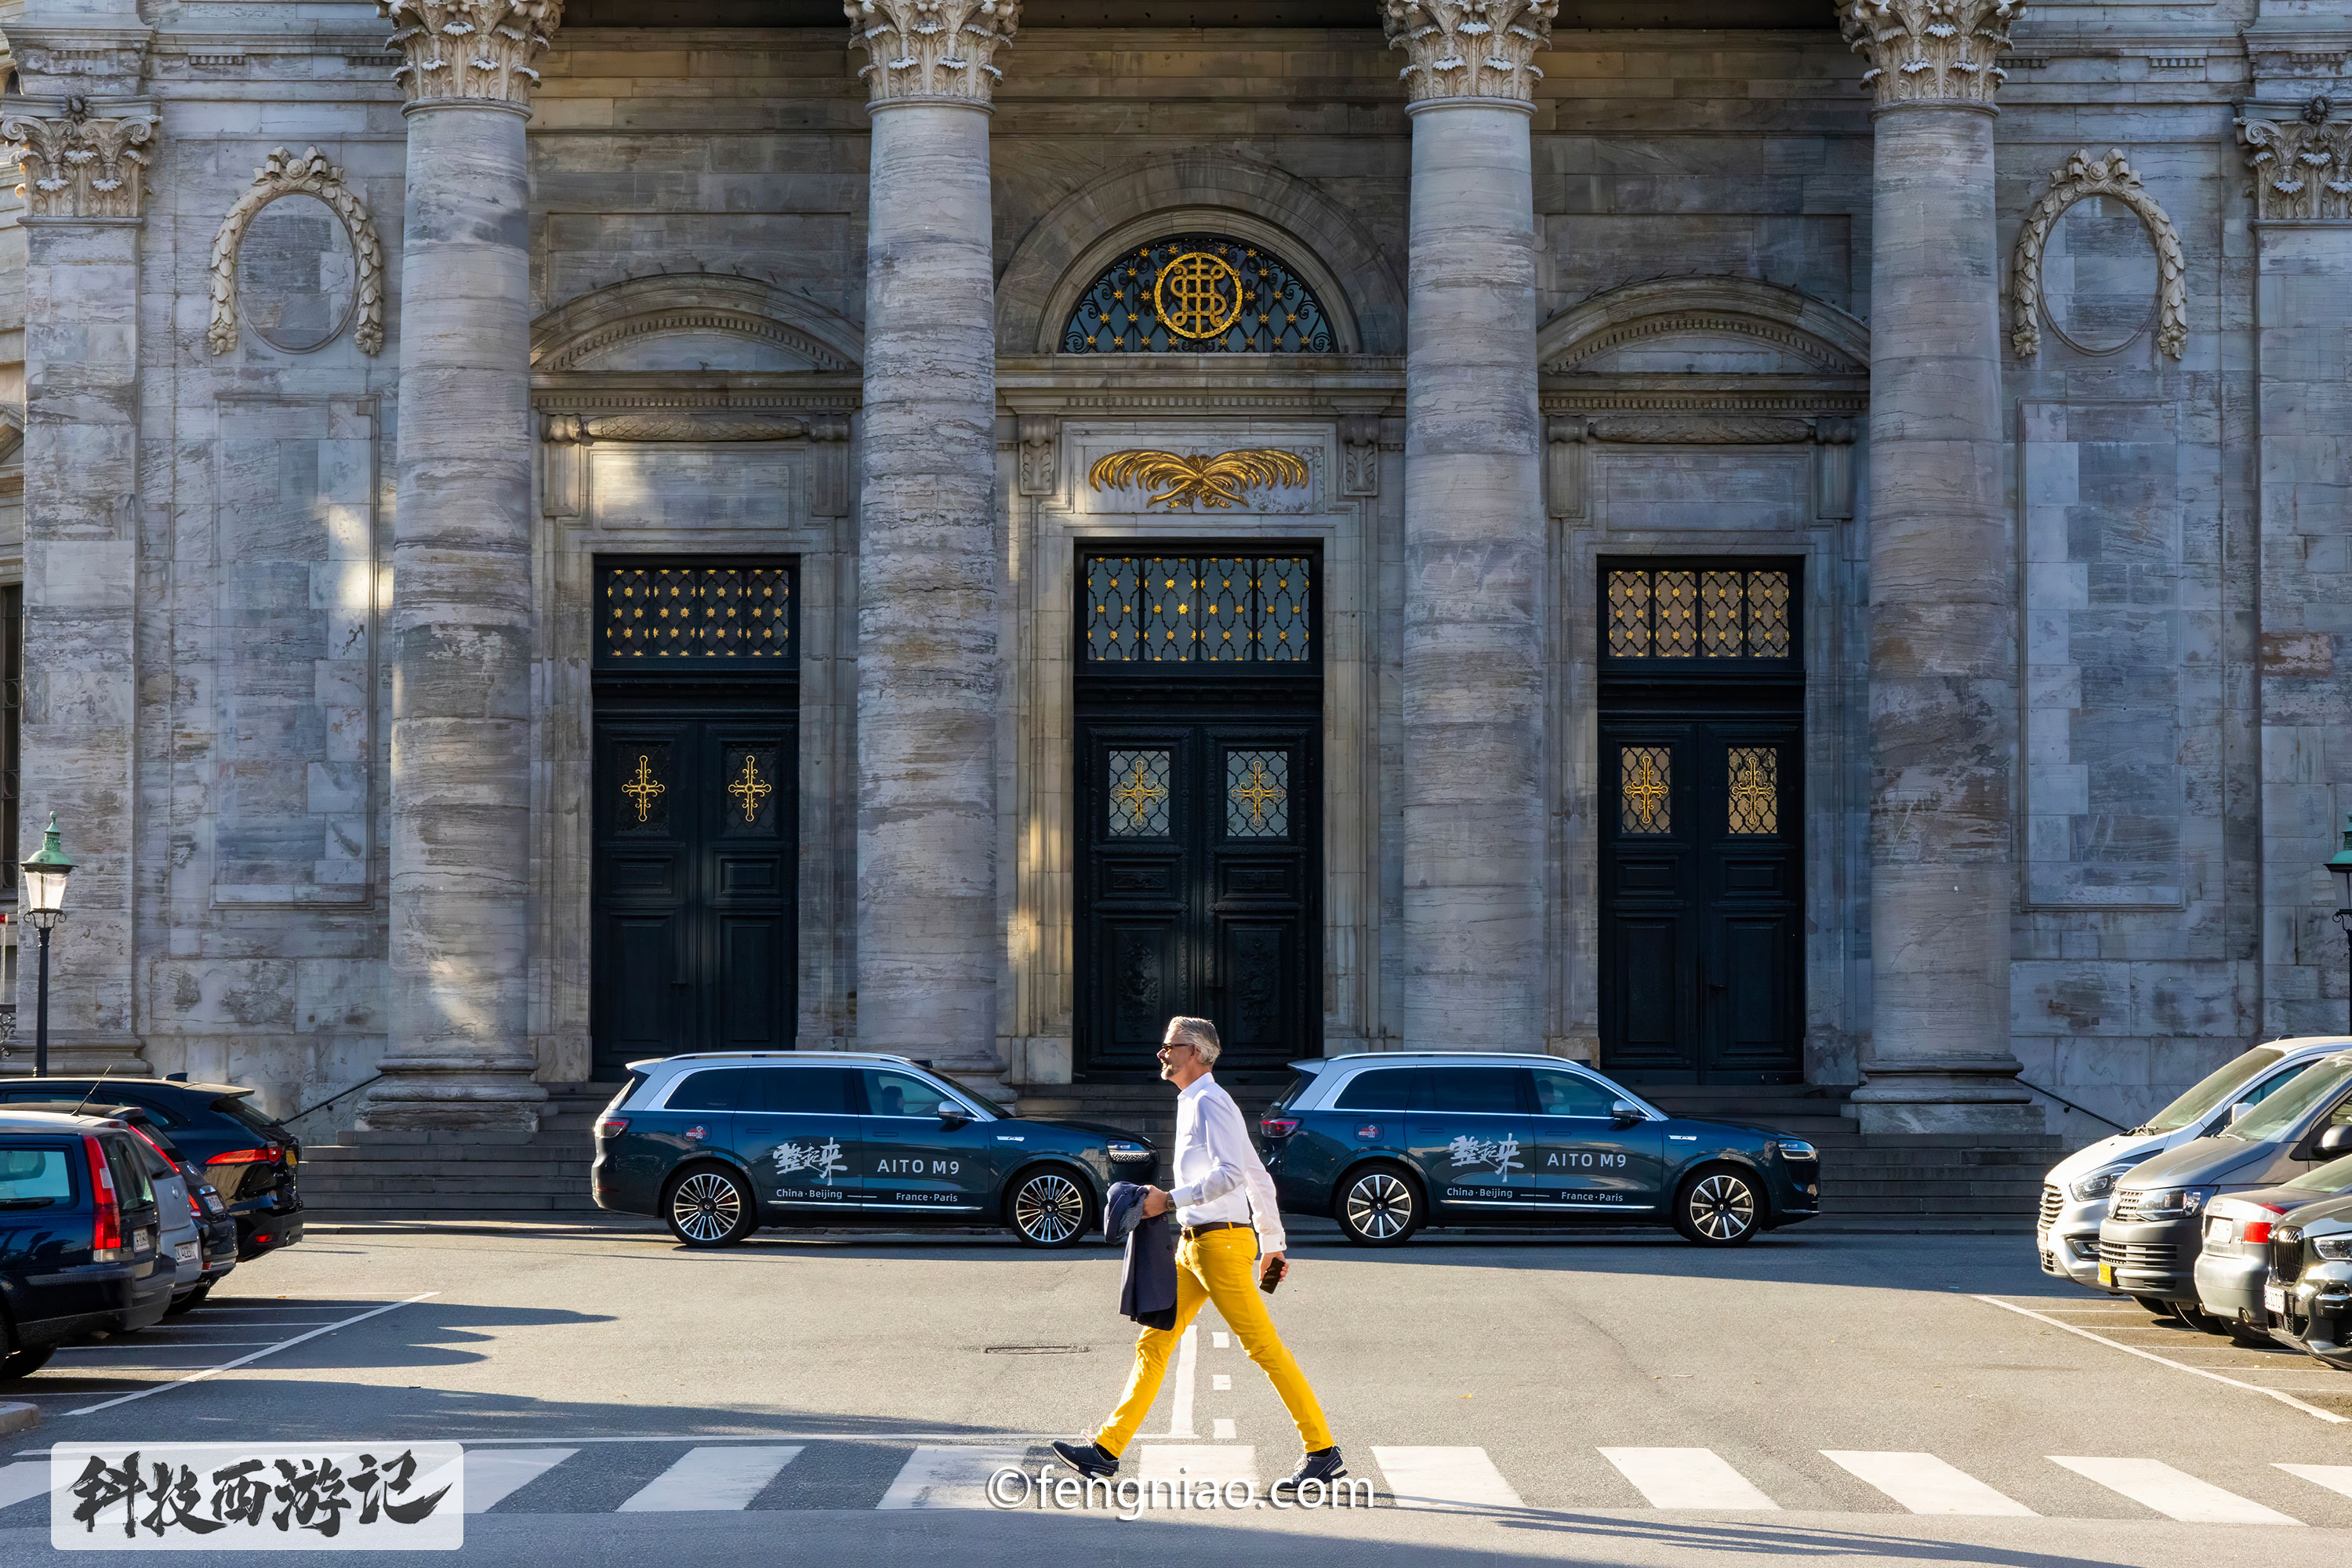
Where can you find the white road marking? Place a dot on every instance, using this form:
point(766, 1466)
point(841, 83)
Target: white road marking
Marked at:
point(939, 1475)
point(171, 1345)
point(2153, 1484)
point(1686, 1477)
point(1187, 1365)
point(2328, 1415)
point(1445, 1479)
point(1199, 1462)
point(1219, 1342)
point(1219, 1383)
point(24, 1479)
point(2335, 1478)
point(491, 1477)
point(1926, 1483)
point(240, 1361)
point(711, 1480)
point(1221, 1428)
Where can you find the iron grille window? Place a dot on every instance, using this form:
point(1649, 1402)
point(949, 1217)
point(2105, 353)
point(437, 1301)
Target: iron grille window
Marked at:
point(1698, 613)
point(1197, 294)
point(702, 613)
point(1198, 609)
point(1645, 789)
point(12, 714)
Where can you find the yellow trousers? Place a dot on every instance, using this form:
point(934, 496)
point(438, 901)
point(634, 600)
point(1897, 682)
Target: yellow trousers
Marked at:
point(1221, 1266)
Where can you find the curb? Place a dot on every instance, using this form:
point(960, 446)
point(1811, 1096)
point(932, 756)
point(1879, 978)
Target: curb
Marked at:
point(19, 1418)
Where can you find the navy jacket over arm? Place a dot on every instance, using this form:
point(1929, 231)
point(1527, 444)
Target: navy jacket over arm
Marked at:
point(1147, 1286)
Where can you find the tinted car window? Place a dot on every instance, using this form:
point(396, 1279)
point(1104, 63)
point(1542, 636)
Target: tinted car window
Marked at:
point(1566, 1094)
point(724, 1089)
point(902, 1094)
point(33, 1178)
point(130, 1185)
point(238, 1108)
point(812, 1091)
point(1492, 1089)
point(1384, 1088)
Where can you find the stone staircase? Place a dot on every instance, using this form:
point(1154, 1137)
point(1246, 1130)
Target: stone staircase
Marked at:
point(388, 1175)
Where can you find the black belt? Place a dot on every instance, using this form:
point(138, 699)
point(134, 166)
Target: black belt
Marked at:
point(1192, 1231)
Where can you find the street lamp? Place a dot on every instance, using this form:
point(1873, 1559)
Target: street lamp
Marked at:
point(2340, 864)
point(45, 905)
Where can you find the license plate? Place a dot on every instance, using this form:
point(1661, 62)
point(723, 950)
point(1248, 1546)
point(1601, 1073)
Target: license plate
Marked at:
point(2107, 1273)
point(2217, 1230)
point(2274, 1300)
point(185, 1252)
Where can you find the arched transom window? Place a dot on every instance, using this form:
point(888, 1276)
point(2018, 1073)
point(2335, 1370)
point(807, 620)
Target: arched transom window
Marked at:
point(1197, 294)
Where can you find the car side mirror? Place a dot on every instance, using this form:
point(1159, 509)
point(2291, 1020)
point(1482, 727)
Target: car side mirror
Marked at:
point(954, 1116)
point(2333, 1142)
point(1625, 1113)
point(2241, 1111)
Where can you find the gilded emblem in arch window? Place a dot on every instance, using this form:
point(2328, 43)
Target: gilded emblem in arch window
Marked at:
point(1197, 294)
point(1645, 789)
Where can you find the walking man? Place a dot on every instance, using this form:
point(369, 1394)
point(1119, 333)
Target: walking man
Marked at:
point(1221, 1192)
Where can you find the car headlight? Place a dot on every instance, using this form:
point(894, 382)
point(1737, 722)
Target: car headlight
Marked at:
point(1796, 1149)
point(2098, 1184)
point(2175, 1200)
point(1125, 1151)
point(2335, 1248)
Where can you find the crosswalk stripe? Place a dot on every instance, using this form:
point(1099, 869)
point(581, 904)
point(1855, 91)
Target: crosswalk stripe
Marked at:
point(1445, 1479)
point(24, 1479)
point(949, 1475)
point(712, 1480)
point(2335, 1478)
point(1218, 1462)
point(1686, 1477)
point(1926, 1483)
point(492, 1475)
point(2152, 1483)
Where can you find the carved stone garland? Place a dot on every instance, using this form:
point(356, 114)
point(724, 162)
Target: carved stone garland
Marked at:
point(931, 49)
point(79, 166)
point(2082, 177)
point(1469, 49)
point(470, 48)
point(1930, 51)
point(2302, 168)
point(284, 174)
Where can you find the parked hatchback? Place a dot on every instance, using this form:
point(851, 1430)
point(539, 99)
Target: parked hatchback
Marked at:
point(249, 1157)
point(2234, 1262)
point(721, 1144)
point(79, 1248)
point(2076, 1192)
point(1387, 1142)
point(2150, 1239)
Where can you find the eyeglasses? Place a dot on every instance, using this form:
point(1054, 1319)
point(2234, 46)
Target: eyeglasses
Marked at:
point(1178, 1046)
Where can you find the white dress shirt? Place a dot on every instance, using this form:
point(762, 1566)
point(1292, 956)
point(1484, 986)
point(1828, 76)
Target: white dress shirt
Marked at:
point(1218, 1174)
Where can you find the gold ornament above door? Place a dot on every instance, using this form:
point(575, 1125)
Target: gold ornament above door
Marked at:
point(1218, 481)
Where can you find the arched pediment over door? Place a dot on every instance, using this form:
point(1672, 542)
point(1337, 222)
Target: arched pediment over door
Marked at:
point(693, 323)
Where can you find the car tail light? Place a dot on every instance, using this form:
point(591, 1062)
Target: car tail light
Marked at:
point(106, 1231)
point(2259, 1230)
point(245, 1157)
point(612, 1126)
point(1278, 1126)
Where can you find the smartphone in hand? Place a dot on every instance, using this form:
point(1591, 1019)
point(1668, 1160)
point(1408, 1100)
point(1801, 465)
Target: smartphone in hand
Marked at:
point(1275, 1267)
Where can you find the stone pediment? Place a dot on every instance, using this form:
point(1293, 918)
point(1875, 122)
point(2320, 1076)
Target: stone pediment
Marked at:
point(1720, 326)
point(690, 323)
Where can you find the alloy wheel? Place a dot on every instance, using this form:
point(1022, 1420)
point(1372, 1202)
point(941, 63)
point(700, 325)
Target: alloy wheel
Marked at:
point(707, 1207)
point(1049, 1209)
point(1379, 1206)
point(1721, 1208)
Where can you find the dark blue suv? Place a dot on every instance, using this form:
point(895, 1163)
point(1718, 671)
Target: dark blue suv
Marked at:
point(721, 1144)
point(1387, 1142)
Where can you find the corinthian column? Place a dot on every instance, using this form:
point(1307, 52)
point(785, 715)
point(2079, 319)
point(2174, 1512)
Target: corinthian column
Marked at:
point(459, 1054)
point(85, 165)
point(927, 680)
point(1943, 700)
point(1473, 541)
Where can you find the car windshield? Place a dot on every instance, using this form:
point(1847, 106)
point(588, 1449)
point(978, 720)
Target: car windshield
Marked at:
point(2314, 1086)
point(2335, 1177)
point(2213, 1090)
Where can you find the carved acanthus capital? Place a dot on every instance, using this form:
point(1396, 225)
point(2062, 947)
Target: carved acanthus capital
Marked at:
point(1930, 51)
point(1469, 49)
point(931, 49)
point(479, 50)
point(79, 164)
point(2302, 167)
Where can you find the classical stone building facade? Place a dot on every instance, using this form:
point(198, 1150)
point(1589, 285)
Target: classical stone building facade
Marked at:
point(1799, 542)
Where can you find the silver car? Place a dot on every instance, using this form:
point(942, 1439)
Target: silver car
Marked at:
point(2235, 1257)
point(2307, 1298)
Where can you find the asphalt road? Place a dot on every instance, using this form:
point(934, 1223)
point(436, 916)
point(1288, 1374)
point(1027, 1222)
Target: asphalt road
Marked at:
point(1622, 1399)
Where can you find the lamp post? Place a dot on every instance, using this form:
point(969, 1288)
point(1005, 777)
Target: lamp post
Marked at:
point(2340, 865)
point(45, 905)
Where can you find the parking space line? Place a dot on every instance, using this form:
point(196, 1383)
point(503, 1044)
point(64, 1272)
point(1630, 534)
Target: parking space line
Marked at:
point(256, 1355)
point(492, 1478)
point(2283, 1397)
point(940, 1477)
point(2152, 1483)
point(1686, 1477)
point(1926, 1483)
point(168, 1345)
point(24, 1479)
point(1449, 1478)
point(711, 1480)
